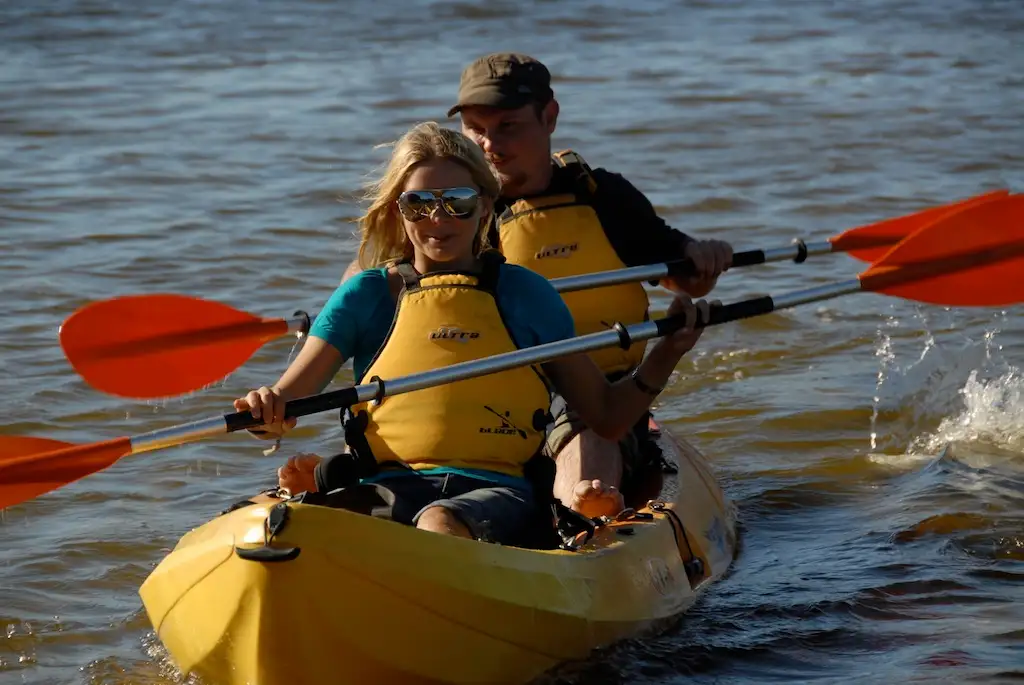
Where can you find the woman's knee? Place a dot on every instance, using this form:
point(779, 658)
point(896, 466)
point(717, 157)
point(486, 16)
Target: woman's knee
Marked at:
point(444, 521)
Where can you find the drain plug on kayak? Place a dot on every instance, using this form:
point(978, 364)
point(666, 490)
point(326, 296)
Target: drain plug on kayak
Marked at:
point(274, 524)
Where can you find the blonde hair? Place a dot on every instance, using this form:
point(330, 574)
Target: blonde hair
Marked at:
point(383, 233)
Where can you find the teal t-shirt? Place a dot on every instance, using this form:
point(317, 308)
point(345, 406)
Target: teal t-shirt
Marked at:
point(358, 316)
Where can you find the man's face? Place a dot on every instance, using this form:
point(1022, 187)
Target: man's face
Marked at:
point(516, 141)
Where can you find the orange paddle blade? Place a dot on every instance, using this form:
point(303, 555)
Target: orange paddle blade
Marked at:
point(14, 447)
point(870, 243)
point(30, 467)
point(972, 258)
point(145, 346)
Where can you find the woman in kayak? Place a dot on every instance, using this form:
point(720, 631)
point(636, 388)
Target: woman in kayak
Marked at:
point(432, 296)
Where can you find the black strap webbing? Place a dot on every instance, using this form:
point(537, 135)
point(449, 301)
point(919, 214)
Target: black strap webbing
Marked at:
point(490, 261)
point(410, 278)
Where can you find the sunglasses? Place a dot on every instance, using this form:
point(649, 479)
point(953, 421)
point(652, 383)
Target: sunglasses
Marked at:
point(459, 203)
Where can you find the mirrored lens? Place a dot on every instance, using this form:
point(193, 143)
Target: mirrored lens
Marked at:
point(416, 204)
point(459, 203)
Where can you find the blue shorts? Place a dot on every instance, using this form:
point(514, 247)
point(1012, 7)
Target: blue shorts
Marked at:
point(492, 511)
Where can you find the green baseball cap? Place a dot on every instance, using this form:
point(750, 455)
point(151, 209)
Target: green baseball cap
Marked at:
point(506, 80)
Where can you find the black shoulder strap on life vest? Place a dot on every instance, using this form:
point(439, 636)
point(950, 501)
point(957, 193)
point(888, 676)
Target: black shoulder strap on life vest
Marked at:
point(493, 234)
point(585, 182)
point(506, 215)
point(585, 186)
point(410, 282)
point(410, 277)
point(490, 268)
point(487, 279)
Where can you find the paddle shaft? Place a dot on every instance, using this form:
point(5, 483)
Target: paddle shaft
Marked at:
point(378, 389)
point(681, 268)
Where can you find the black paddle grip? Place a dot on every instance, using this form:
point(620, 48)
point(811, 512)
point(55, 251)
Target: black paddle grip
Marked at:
point(720, 314)
point(683, 268)
point(748, 258)
point(303, 406)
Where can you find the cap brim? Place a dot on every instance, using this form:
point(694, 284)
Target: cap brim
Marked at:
point(491, 98)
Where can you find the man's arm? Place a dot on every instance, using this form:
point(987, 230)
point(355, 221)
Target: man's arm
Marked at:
point(639, 236)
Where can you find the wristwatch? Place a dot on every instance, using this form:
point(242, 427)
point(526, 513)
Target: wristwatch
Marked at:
point(635, 375)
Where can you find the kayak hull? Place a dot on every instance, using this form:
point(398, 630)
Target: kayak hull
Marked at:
point(364, 599)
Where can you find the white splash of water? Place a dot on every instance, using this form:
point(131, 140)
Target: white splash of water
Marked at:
point(300, 340)
point(992, 414)
point(885, 354)
point(954, 389)
point(900, 462)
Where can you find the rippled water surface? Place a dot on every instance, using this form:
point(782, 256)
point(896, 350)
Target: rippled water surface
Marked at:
point(875, 448)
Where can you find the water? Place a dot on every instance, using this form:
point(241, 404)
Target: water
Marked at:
point(218, 149)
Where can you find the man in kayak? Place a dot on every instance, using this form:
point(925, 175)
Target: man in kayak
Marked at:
point(560, 218)
point(455, 458)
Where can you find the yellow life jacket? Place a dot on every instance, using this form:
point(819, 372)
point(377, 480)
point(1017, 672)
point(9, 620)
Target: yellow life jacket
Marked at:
point(560, 235)
point(494, 422)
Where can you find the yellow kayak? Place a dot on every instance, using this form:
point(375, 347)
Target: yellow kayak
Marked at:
point(339, 597)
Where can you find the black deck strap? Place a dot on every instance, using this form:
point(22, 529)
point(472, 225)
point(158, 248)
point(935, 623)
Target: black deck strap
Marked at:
point(570, 523)
point(801, 251)
point(694, 566)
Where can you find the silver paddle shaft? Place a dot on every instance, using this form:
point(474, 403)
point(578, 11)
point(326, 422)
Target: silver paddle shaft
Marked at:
point(378, 389)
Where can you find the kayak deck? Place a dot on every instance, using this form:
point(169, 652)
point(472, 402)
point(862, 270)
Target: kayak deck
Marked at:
point(364, 599)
